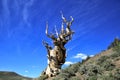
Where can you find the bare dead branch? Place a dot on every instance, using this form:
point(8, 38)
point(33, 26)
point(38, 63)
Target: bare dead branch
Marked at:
point(46, 31)
point(64, 19)
point(56, 31)
point(47, 46)
point(72, 19)
point(49, 35)
point(62, 28)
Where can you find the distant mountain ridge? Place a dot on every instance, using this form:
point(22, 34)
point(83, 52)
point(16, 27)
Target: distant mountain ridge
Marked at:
point(6, 75)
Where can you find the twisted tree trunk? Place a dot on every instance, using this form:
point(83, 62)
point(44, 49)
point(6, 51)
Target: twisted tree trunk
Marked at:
point(57, 54)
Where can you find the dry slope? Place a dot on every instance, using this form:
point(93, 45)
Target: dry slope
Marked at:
point(103, 66)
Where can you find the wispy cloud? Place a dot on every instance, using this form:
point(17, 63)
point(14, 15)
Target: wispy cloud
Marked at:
point(26, 71)
point(68, 63)
point(80, 55)
point(35, 66)
point(6, 9)
point(26, 13)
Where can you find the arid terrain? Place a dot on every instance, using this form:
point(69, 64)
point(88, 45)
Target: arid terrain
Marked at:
point(103, 66)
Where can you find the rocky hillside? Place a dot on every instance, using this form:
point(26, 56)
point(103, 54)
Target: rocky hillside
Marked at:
point(4, 75)
point(103, 66)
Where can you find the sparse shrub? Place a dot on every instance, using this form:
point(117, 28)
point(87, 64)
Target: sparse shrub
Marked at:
point(90, 70)
point(92, 78)
point(74, 78)
point(82, 70)
point(108, 65)
point(117, 47)
point(117, 74)
point(94, 70)
point(71, 70)
point(102, 59)
point(115, 54)
point(117, 50)
point(67, 71)
point(64, 75)
point(74, 68)
point(60, 78)
point(115, 43)
point(43, 77)
point(108, 76)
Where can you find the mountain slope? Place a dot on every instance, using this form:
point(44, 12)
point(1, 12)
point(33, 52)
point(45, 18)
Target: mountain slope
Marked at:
point(4, 75)
point(103, 66)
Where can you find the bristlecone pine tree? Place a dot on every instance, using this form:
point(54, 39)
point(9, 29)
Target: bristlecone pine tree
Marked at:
point(57, 54)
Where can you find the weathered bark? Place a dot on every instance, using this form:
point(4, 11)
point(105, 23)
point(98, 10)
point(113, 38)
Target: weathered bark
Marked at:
point(57, 54)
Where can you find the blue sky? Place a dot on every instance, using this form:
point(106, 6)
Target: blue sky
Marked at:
point(22, 29)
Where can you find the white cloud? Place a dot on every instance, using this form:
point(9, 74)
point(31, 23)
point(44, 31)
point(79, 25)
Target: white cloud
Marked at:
point(68, 63)
point(91, 55)
point(80, 55)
